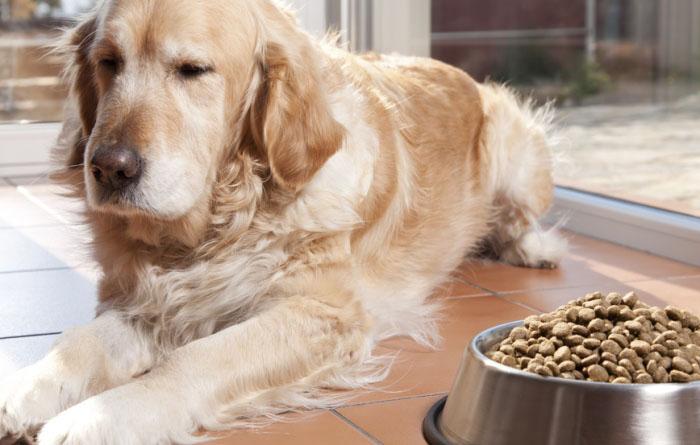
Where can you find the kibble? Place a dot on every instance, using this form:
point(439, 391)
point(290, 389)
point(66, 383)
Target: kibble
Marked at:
point(596, 325)
point(611, 346)
point(634, 327)
point(509, 360)
point(643, 377)
point(592, 359)
point(625, 313)
point(581, 351)
point(641, 347)
point(591, 343)
point(682, 364)
point(561, 330)
point(597, 373)
point(620, 339)
point(621, 371)
point(608, 356)
point(519, 333)
point(585, 315)
point(567, 366)
point(580, 330)
point(679, 376)
point(628, 365)
point(606, 338)
point(547, 348)
point(571, 314)
point(562, 354)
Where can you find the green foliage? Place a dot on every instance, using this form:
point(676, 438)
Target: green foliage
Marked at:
point(587, 79)
point(525, 65)
point(573, 78)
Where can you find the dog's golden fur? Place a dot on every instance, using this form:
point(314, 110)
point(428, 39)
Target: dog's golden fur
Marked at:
point(298, 205)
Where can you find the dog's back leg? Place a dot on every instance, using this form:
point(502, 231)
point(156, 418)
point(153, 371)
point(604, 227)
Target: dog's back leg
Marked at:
point(517, 145)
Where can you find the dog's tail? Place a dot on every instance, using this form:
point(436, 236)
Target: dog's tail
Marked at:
point(517, 147)
point(517, 143)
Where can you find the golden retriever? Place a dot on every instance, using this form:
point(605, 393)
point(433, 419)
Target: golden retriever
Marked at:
point(266, 208)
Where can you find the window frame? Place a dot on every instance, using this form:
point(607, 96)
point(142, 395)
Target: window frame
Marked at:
point(632, 224)
point(25, 148)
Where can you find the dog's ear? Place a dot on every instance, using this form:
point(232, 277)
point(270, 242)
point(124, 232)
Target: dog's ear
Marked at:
point(83, 82)
point(291, 116)
point(80, 112)
point(79, 73)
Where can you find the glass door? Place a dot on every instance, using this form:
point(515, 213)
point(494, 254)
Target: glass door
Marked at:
point(624, 76)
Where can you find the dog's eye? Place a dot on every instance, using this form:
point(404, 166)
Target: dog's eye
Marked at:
point(109, 64)
point(190, 70)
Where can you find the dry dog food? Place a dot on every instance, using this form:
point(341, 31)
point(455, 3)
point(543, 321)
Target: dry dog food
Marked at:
point(606, 338)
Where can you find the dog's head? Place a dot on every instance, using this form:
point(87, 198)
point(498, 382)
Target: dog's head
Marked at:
point(167, 90)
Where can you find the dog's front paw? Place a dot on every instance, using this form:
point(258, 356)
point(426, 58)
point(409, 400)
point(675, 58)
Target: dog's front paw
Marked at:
point(85, 423)
point(130, 414)
point(28, 399)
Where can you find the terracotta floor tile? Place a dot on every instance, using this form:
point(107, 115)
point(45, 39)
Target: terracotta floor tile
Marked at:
point(52, 197)
point(588, 262)
point(48, 247)
point(456, 288)
point(682, 292)
point(29, 180)
point(18, 210)
point(38, 302)
point(397, 422)
point(418, 371)
point(32, 169)
point(16, 353)
point(313, 428)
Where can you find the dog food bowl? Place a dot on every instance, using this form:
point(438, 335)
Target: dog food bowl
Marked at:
point(492, 404)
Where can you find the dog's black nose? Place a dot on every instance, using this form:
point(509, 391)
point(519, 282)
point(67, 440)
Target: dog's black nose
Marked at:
point(116, 167)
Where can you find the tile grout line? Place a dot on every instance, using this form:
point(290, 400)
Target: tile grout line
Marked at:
point(476, 286)
point(468, 296)
point(522, 305)
point(46, 334)
point(445, 286)
point(399, 399)
point(356, 427)
point(37, 180)
point(23, 164)
point(41, 204)
point(46, 269)
point(10, 182)
point(500, 296)
point(39, 226)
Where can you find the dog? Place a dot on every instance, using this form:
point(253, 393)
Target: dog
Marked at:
point(266, 208)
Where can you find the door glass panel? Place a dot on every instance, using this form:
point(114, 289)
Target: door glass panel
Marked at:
point(624, 76)
point(30, 87)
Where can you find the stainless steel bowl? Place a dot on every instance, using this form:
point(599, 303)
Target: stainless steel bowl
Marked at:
point(492, 404)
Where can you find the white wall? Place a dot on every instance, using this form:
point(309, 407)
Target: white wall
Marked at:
point(397, 26)
point(402, 26)
point(312, 15)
